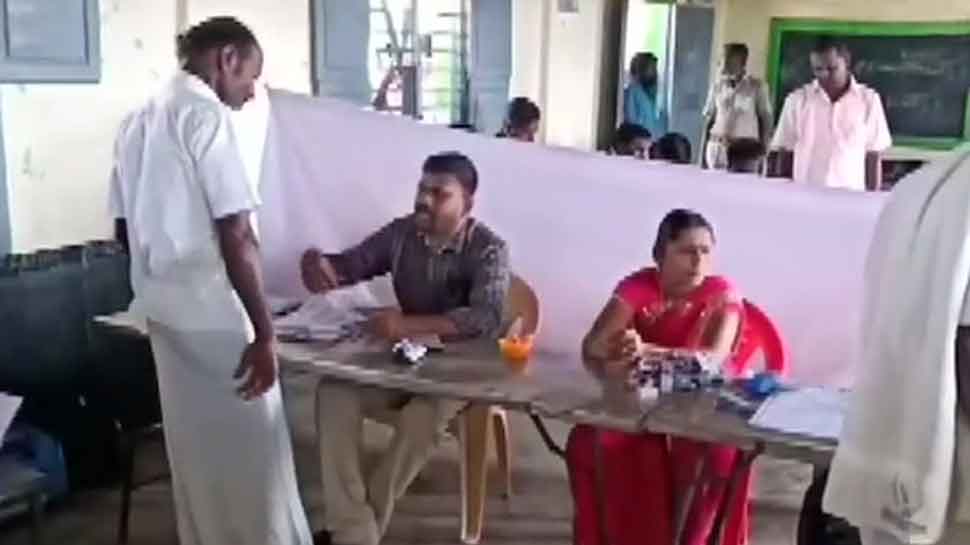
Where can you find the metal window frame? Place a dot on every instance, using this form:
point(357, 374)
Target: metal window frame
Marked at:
point(13, 70)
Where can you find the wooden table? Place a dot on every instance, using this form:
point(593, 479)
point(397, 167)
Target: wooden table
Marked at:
point(555, 385)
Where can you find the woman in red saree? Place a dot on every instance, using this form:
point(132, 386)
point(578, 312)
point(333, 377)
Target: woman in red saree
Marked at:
point(677, 305)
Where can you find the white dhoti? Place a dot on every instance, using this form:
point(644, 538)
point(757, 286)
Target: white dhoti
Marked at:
point(233, 476)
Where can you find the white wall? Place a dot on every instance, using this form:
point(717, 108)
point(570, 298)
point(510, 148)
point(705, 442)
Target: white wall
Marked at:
point(574, 75)
point(564, 79)
point(528, 37)
point(58, 138)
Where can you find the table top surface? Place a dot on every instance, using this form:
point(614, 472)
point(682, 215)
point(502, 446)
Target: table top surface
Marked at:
point(554, 385)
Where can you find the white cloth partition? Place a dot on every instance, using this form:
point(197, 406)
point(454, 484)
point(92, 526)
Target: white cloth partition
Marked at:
point(576, 222)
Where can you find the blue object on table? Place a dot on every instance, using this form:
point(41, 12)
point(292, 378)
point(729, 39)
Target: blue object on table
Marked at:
point(762, 385)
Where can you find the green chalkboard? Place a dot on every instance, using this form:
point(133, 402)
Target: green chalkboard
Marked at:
point(921, 70)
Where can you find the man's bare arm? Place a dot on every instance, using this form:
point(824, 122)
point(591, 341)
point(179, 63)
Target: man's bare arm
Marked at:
point(241, 252)
point(873, 171)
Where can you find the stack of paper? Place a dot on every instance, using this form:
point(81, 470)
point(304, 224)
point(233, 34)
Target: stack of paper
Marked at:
point(815, 412)
point(330, 316)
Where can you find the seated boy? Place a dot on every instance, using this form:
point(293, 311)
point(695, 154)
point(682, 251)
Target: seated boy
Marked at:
point(632, 140)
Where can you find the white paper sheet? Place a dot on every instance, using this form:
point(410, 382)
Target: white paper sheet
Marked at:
point(8, 409)
point(817, 412)
point(327, 317)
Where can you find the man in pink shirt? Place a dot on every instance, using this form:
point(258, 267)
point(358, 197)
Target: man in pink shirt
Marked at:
point(832, 132)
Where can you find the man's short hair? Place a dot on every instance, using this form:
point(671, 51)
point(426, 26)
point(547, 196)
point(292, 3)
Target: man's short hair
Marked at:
point(214, 33)
point(640, 60)
point(736, 48)
point(626, 133)
point(522, 112)
point(829, 43)
point(743, 150)
point(456, 164)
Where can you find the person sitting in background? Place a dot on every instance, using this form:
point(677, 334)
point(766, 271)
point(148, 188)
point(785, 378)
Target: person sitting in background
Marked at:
point(737, 107)
point(632, 141)
point(450, 275)
point(521, 120)
point(672, 147)
point(745, 155)
point(679, 305)
point(641, 100)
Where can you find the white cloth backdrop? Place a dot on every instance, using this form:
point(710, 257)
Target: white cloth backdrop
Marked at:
point(576, 222)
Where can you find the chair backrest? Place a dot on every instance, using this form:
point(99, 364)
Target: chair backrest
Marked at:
point(758, 331)
point(45, 340)
point(521, 303)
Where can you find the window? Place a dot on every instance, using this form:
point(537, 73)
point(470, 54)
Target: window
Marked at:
point(418, 58)
point(45, 41)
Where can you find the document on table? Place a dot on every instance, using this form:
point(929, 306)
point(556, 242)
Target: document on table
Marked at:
point(815, 411)
point(330, 316)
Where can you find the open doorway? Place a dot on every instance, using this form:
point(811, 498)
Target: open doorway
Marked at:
point(646, 29)
point(681, 38)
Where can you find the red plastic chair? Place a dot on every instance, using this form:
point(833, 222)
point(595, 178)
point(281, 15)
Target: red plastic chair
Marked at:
point(759, 332)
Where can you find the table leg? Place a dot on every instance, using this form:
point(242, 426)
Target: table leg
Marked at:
point(36, 515)
point(684, 503)
point(475, 431)
point(600, 485)
point(741, 464)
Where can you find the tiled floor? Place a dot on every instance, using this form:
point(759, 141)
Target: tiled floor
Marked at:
point(539, 513)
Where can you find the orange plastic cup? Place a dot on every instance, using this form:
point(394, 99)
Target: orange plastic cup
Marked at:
point(516, 351)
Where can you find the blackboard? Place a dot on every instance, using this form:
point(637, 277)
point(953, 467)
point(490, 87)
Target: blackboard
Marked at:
point(921, 70)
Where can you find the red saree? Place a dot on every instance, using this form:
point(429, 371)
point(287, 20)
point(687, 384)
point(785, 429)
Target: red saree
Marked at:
point(642, 474)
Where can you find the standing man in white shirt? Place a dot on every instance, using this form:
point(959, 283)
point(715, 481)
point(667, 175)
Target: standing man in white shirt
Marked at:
point(185, 204)
point(832, 132)
point(738, 108)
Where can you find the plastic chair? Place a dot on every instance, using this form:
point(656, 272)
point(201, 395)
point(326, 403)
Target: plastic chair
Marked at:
point(478, 422)
point(758, 332)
